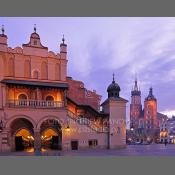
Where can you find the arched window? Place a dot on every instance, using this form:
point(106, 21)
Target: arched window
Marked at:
point(22, 100)
point(44, 71)
point(35, 74)
point(22, 97)
point(57, 71)
point(49, 98)
point(27, 69)
point(11, 67)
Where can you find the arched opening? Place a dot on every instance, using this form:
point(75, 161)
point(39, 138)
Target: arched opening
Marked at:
point(50, 100)
point(22, 135)
point(24, 140)
point(51, 135)
point(22, 97)
point(22, 100)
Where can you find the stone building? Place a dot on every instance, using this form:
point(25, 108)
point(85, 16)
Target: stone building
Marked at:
point(42, 108)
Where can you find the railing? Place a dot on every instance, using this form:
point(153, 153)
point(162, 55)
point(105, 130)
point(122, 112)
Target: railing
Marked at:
point(35, 104)
point(87, 122)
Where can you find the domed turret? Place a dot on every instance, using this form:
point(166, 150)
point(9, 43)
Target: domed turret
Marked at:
point(150, 95)
point(113, 89)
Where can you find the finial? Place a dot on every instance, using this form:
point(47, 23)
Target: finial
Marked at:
point(2, 29)
point(113, 77)
point(35, 28)
point(63, 39)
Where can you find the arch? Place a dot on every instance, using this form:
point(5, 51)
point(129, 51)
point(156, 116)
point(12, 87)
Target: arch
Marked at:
point(38, 126)
point(49, 98)
point(22, 96)
point(11, 67)
point(27, 69)
point(57, 71)
point(44, 70)
point(13, 118)
point(35, 74)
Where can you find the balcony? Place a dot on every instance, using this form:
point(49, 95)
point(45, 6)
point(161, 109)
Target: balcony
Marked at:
point(34, 104)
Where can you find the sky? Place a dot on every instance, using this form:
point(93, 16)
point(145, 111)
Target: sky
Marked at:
point(99, 47)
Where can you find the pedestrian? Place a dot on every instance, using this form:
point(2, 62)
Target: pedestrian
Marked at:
point(165, 143)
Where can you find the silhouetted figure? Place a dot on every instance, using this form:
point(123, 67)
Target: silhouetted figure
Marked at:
point(165, 143)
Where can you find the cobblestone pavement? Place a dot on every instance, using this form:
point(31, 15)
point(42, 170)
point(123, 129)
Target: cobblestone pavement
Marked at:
point(130, 150)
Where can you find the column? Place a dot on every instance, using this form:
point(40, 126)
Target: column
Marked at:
point(3, 95)
point(37, 140)
point(5, 141)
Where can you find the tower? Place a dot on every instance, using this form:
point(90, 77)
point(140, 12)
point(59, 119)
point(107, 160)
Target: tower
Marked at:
point(3, 40)
point(150, 111)
point(135, 106)
point(115, 106)
point(63, 49)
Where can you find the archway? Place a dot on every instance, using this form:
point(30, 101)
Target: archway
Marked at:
point(22, 135)
point(51, 135)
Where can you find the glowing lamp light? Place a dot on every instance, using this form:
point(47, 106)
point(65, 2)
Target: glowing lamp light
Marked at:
point(68, 128)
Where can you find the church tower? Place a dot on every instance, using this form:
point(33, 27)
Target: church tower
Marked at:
point(115, 106)
point(150, 111)
point(135, 106)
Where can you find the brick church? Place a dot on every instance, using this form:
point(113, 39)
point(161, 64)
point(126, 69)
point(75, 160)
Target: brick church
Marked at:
point(145, 123)
point(42, 108)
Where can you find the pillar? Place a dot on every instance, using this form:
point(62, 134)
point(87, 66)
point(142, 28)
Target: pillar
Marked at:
point(37, 140)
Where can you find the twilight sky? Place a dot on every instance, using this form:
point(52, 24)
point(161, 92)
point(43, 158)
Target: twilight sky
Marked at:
point(97, 47)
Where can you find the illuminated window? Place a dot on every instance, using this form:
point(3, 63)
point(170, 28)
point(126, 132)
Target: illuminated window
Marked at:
point(49, 98)
point(22, 97)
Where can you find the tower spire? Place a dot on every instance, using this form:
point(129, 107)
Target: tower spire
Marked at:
point(63, 39)
point(113, 78)
point(2, 29)
point(35, 28)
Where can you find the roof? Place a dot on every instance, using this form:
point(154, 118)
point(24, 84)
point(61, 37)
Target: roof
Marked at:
point(35, 83)
point(88, 107)
point(114, 98)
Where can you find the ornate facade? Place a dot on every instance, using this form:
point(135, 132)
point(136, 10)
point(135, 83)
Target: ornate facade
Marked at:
point(42, 108)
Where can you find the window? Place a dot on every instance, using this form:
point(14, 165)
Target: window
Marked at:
point(49, 98)
point(36, 74)
point(22, 97)
point(22, 100)
point(93, 143)
point(35, 42)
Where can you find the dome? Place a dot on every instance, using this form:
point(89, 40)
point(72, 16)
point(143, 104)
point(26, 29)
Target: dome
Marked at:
point(150, 95)
point(113, 89)
point(35, 36)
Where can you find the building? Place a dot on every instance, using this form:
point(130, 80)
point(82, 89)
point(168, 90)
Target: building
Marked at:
point(42, 108)
point(167, 130)
point(145, 123)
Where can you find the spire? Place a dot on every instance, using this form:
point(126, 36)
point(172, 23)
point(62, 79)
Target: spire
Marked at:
point(151, 91)
point(34, 28)
point(2, 29)
point(63, 39)
point(113, 79)
point(136, 86)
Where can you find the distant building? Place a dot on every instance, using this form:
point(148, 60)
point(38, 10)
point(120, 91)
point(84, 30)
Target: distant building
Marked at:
point(145, 122)
point(167, 130)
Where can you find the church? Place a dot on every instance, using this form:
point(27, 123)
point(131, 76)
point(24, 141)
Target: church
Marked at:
point(42, 108)
point(145, 123)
